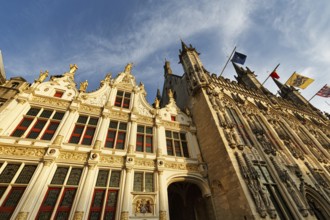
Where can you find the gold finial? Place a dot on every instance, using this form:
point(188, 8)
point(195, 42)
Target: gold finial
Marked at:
point(83, 86)
point(73, 68)
point(170, 93)
point(128, 68)
point(42, 76)
point(156, 102)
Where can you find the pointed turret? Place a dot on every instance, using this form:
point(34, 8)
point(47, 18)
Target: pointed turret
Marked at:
point(290, 93)
point(2, 71)
point(248, 78)
point(183, 46)
point(167, 68)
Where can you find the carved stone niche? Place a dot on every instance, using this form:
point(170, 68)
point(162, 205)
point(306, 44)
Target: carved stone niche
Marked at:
point(144, 205)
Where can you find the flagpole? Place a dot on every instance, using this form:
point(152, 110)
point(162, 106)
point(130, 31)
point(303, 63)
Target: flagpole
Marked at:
point(228, 61)
point(270, 74)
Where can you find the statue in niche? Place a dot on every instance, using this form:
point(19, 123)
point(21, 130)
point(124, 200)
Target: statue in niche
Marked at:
point(42, 76)
point(156, 104)
point(83, 86)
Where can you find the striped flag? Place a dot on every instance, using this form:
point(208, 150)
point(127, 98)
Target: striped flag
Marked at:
point(324, 92)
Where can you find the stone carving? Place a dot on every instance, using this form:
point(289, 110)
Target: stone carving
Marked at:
point(119, 115)
point(162, 215)
point(88, 108)
point(78, 215)
point(124, 215)
point(64, 155)
point(291, 187)
point(145, 162)
point(22, 151)
point(113, 160)
point(295, 151)
point(266, 145)
point(181, 166)
point(50, 101)
point(142, 109)
point(258, 192)
point(22, 216)
point(143, 206)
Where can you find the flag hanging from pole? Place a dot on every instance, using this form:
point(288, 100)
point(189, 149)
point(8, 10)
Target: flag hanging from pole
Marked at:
point(238, 58)
point(274, 75)
point(300, 81)
point(324, 92)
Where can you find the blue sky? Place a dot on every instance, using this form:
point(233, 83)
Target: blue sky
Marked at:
point(103, 36)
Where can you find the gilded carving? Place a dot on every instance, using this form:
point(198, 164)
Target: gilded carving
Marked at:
point(22, 216)
point(181, 166)
point(113, 160)
point(144, 119)
point(88, 108)
point(124, 215)
point(162, 215)
point(143, 206)
point(64, 155)
point(78, 215)
point(50, 101)
point(119, 115)
point(145, 162)
point(21, 151)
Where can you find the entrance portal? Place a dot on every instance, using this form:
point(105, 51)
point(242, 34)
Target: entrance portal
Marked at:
point(186, 202)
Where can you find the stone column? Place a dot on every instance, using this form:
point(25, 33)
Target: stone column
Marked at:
point(163, 206)
point(132, 135)
point(161, 140)
point(29, 204)
point(86, 193)
point(99, 143)
point(127, 195)
point(66, 126)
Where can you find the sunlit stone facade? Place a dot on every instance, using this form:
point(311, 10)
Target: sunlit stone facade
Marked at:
point(207, 148)
point(267, 157)
point(106, 154)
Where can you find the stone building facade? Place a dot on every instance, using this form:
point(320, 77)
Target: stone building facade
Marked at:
point(207, 148)
point(106, 154)
point(267, 157)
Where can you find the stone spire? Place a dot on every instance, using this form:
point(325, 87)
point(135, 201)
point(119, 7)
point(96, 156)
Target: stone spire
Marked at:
point(167, 68)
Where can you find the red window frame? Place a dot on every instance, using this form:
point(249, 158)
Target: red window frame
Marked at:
point(109, 208)
point(11, 209)
point(113, 142)
point(139, 144)
point(66, 209)
point(123, 99)
point(49, 209)
point(78, 135)
point(97, 208)
point(87, 137)
point(58, 94)
point(49, 131)
point(37, 130)
point(23, 128)
point(120, 141)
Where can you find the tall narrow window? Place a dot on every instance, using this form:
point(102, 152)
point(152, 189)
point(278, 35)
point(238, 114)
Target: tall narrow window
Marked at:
point(143, 182)
point(12, 186)
point(61, 193)
point(84, 130)
point(116, 135)
point(123, 99)
point(105, 196)
point(41, 118)
point(176, 144)
point(144, 139)
point(279, 203)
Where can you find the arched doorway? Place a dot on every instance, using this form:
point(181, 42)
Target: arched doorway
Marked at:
point(317, 207)
point(186, 202)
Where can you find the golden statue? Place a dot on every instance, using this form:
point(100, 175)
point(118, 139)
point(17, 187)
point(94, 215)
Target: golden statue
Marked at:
point(128, 68)
point(42, 76)
point(170, 93)
point(83, 86)
point(73, 68)
point(156, 102)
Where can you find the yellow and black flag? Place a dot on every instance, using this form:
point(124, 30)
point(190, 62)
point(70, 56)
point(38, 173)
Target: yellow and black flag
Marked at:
point(299, 81)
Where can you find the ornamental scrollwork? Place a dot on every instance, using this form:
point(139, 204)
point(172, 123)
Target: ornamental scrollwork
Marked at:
point(21, 151)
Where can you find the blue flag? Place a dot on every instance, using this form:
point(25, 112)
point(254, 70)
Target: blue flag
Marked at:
point(238, 58)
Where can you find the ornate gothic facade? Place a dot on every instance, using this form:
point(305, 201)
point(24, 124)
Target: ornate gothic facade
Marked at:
point(208, 148)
